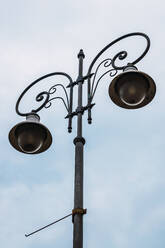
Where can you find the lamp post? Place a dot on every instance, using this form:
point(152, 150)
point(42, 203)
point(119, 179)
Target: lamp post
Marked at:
point(130, 89)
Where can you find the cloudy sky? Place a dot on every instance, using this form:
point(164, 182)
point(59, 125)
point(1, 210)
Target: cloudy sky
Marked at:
point(124, 157)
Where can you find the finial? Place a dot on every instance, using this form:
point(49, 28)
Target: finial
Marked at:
point(81, 54)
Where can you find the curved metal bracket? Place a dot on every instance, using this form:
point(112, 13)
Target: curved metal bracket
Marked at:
point(112, 72)
point(45, 95)
point(122, 55)
point(52, 91)
point(111, 62)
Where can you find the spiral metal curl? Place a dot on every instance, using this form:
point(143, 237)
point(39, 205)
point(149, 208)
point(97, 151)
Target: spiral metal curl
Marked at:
point(112, 72)
point(44, 96)
point(53, 90)
point(121, 55)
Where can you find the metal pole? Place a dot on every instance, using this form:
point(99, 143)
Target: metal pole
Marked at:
point(79, 142)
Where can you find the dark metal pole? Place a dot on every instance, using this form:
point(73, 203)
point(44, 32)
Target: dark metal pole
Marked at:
point(79, 142)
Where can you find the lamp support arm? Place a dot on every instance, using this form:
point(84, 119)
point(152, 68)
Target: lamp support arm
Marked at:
point(111, 62)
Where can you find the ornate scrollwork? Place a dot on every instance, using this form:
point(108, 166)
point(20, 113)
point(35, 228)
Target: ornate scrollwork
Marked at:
point(45, 95)
point(123, 54)
point(52, 91)
point(112, 72)
point(111, 62)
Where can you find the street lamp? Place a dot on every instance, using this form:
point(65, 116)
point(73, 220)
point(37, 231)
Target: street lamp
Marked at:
point(131, 89)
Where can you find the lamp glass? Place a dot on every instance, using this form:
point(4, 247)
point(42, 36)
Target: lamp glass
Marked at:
point(132, 88)
point(30, 137)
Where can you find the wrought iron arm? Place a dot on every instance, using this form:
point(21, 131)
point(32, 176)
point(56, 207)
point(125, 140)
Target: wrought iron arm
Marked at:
point(112, 72)
point(111, 62)
point(45, 95)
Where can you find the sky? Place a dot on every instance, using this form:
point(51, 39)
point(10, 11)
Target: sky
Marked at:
point(124, 157)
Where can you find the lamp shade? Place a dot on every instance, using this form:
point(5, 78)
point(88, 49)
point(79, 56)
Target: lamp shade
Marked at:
point(30, 137)
point(132, 89)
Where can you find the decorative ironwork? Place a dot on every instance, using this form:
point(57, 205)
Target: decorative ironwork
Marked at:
point(111, 62)
point(52, 91)
point(45, 95)
point(122, 55)
point(112, 72)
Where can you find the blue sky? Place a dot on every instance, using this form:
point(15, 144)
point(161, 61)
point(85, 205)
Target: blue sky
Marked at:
point(124, 153)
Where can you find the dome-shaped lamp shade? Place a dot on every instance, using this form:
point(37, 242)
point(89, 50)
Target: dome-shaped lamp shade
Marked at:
point(30, 137)
point(132, 89)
